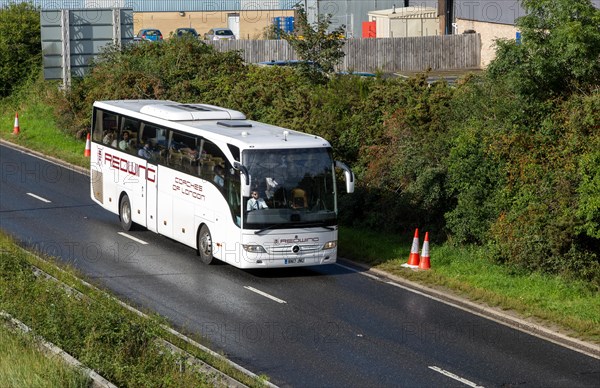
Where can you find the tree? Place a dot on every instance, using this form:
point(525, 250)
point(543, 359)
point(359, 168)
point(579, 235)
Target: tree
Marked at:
point(316, 44)
point(560, 50)
point(20, 45)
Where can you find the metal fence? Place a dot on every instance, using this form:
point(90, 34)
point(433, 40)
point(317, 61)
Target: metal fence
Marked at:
point(441, 52)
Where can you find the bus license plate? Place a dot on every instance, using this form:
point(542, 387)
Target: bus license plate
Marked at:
point(294, 261)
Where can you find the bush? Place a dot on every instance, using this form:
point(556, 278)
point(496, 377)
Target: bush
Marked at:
point(585, 122)
point(559, 50)
point(539, 226)
point(20, 45)
point(406, 165)
point(175, 69)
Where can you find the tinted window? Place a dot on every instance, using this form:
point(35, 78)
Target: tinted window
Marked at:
point(105, 127)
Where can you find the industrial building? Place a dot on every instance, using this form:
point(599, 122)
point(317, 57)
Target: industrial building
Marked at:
point(250, 19)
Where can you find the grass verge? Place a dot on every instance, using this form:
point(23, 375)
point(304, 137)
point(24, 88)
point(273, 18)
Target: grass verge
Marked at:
point(38, 128)
point(93, 327)
point(572, 307)
point(23, 364)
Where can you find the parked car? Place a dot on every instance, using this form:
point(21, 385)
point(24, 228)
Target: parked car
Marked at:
point(149, 34)
point(219, 33)
point(363, 74)
point(181, 32)
point(289, 63)
point(297, 63)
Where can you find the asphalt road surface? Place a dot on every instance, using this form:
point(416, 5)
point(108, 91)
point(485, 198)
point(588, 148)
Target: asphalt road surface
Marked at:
point(311, 327)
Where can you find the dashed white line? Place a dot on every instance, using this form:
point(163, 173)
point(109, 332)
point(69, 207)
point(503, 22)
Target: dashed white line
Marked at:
point(38, 197)
point(133, 238)
point(455, 377)
point(265, 294)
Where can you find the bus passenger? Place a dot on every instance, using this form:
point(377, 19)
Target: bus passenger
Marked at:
point(299, 198)
point(124, 143)
point(190, 154)
point(219, 178)
point(108, 138)
point(145, 152)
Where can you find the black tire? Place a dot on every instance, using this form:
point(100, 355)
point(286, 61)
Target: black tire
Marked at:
point(205, 245)
point(125, 213)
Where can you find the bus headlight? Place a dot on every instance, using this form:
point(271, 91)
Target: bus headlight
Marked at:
point(254, 248)
point(330, 245)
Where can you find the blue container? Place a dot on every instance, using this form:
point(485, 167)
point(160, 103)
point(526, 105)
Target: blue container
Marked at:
point(283, 24)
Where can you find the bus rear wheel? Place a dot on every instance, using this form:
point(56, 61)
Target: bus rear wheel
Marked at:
point(205, 245)
point(125, 213)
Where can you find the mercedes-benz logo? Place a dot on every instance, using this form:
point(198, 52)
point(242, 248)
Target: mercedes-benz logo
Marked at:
point(295, 249)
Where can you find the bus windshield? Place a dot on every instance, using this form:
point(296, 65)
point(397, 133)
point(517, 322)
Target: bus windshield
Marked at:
point(290, 188)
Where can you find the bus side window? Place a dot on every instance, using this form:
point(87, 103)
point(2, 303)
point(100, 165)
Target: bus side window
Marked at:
point(98, 125)
point(184, 153)
point(105, 127)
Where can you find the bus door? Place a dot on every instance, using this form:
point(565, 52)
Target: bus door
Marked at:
point(152, 149)
point(151, 196)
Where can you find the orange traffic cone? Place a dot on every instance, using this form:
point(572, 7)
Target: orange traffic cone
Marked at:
point(16, 129)
point(413, 259)
point(88, 149)
point(425, 263)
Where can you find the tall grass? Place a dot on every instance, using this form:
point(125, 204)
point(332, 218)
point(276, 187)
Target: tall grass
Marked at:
point(23, 364)
point(38, 128)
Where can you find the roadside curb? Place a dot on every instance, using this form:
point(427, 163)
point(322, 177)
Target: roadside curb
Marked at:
point(230, 382)
point(487, 312)
point(54, 160)
point(49, 347)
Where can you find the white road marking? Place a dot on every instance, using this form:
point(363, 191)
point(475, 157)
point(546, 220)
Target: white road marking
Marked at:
point(362, 273)
point(495, 316)
point(133, 238)
point(38, 197)
point(265, 294)
point(455, 377)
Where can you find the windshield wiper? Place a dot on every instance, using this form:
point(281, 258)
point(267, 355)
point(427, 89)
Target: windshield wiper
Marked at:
point(274, 226)
point(322, 224)
point(295, 224)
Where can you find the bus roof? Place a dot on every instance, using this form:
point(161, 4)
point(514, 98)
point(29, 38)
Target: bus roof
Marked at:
point(225, 124)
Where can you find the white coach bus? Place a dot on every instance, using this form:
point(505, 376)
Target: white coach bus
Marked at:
point(247, 193)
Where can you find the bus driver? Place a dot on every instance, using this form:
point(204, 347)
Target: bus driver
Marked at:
point(255, 203)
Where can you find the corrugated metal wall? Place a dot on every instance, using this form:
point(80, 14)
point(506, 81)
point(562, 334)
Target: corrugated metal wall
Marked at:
point(88, 33)
point(352, 13)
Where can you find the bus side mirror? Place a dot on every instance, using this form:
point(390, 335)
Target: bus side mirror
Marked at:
point(348, 175)
point(245, 183)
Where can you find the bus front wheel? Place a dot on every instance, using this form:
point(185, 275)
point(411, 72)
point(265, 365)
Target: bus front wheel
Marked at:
point(205, 245)
point(125, 213)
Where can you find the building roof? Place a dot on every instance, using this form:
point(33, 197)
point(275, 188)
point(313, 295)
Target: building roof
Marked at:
point(163, 5)
point(406, 13)
point(493, 11)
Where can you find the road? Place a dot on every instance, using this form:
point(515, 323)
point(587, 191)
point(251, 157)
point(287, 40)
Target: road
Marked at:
point(312, 327)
